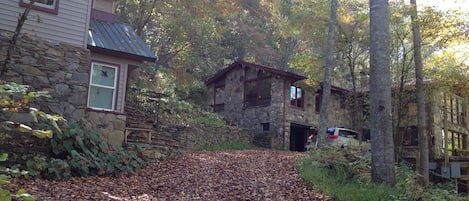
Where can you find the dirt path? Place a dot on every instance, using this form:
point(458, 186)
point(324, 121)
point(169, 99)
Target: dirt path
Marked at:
point(217, 175)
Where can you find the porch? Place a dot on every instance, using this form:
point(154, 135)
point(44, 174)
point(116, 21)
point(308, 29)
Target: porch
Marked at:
point(453, 167)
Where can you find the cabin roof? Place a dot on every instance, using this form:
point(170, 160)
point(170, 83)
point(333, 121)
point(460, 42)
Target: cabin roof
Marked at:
point(240, 64)
point(119, 40)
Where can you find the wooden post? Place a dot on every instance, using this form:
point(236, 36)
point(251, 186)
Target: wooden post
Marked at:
point(445, 140)
point(417, 162)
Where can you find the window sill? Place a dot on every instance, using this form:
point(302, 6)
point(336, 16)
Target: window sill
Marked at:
point(88, 109)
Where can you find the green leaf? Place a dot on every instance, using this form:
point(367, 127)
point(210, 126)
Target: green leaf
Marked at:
point(5, 195)
point(68, 145)
point(42, 133)
point(53, 121)
point(4, 179)
point(33, 114)
point(30, 95)
point(21, 191)
point(42, 93)
point(3, 157)
point(24, 196)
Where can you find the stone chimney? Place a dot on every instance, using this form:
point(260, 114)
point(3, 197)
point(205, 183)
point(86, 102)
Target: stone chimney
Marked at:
point(103, 10)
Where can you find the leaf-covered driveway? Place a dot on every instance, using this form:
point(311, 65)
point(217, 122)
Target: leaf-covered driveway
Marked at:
point(205, 175)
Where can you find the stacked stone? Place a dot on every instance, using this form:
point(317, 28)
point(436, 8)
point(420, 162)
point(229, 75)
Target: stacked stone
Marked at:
point(59, 68)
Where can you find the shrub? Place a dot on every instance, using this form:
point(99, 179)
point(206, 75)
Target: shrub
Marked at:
point(194, 92)
point(345, 175)
point(15, 98)
point(83, 152)
point(4, 176)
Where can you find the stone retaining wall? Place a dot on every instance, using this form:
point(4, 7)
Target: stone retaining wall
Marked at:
point(58, 68)
point(169, 140)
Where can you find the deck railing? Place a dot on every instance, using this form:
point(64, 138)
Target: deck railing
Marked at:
point(142, 107)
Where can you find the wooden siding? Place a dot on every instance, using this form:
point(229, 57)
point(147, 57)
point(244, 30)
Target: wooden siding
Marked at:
point(105, 5)
point(70, 25)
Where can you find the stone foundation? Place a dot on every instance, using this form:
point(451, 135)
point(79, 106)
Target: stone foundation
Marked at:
point(60, 69)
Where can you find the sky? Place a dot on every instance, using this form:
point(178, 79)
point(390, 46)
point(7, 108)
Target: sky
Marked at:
point(446, 4)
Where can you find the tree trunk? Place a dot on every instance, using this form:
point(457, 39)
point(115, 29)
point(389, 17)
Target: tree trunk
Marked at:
point(326, 84)
point(382, 144)
point(12, 46)
point(423, 141)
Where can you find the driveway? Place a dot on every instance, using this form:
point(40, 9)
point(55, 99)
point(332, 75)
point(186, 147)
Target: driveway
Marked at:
point(203, 175)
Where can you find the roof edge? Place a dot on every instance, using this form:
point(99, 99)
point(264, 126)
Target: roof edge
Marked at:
point(221, 73)
point(120, 54)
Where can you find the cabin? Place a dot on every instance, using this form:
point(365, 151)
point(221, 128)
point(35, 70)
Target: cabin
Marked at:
point(77, 52)
point(447, 130)
point(275, 104)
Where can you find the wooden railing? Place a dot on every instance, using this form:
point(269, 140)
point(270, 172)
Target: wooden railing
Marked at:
point(142, 115)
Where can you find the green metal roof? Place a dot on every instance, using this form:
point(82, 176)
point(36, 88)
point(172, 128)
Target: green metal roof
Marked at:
point(119, 40)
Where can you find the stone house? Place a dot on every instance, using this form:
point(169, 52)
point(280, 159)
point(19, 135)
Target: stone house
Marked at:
point(274, 103)
point(446, 126)
point(77, 52)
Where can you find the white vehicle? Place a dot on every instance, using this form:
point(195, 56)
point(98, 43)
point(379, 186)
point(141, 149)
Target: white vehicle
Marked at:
point(342, 137)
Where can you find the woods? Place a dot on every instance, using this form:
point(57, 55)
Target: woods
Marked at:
point(398, 69)
point(195, 39)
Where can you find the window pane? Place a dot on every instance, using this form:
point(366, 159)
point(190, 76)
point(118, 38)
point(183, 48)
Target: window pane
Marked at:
point(250, 90)
point(292, 92)
point(47, 2)
point(43, 3)
point(296, 96)
point(103, 75)
point(250, 94)
point(101, 97)
point(264, 88)
point(264, 92)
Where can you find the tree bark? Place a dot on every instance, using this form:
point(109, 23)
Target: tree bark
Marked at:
point(16, 34)
point(423, 141)
point(382, 144)
point(326, 84)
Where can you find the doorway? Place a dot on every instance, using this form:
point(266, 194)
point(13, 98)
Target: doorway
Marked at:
point(299, 136)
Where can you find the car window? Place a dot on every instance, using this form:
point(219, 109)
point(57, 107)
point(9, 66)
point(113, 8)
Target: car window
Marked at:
point(348, 134)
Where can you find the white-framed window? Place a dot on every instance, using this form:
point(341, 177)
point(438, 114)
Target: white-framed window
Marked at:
point(103, 86)
point(49, 6)
point(296, 96)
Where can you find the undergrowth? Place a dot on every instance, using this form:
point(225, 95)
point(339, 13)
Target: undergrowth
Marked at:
point(345, 176)
point(80, 151)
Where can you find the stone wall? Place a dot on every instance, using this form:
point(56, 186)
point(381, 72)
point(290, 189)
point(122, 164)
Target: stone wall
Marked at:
point(110, 125)
point(169, 140)
point(58, 68)
point(63, 71)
